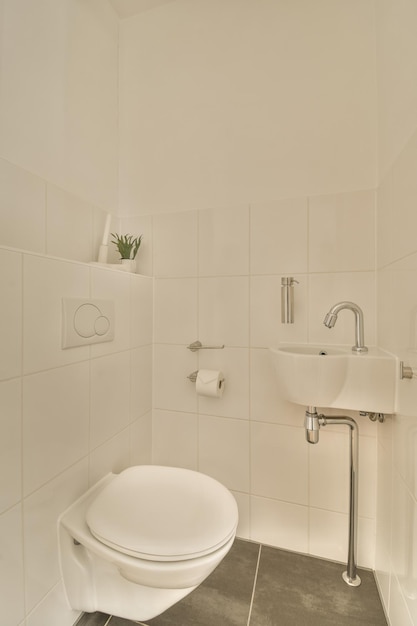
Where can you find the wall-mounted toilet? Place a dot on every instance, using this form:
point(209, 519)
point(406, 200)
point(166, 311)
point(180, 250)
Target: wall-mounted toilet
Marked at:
point(139, 541)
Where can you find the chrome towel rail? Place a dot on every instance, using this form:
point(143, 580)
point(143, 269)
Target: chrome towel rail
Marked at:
point(197, 345)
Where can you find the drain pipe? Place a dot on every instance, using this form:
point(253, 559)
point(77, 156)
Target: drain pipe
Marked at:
point(313, 421)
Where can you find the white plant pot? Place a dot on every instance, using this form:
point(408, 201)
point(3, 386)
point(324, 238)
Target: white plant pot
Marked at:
point(129, 265)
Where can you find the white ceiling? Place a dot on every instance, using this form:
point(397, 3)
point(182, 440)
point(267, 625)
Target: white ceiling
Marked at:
point(127, 8)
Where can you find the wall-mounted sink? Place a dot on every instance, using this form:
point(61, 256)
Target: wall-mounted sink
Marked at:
point(334, 376)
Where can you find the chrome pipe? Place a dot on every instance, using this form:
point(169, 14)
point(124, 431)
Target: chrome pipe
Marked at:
point(312, 425)
point(350, 576)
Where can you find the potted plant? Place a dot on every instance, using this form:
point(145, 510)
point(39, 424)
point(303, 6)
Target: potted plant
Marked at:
point(128, 247)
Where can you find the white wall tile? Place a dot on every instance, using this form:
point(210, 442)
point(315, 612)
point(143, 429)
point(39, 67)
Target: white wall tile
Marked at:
point(56, 407)
point(175, 310)
point(366, 542)
point(279, 237)
point(172, 389)
point(398, 329)
point(113, 285)
point(328, 537)
point(234, 364)
point(224, 451)
point(224, 311)
point(41, 511)
point(279, 524)
point(224, 241)
point(266, 403)
point(10, 443)
point(384, 222)
point(398, 611)
point(279, 467)
point(383, 521)
point(175, 244)
point(11, 567)
point(175, 439)
point(329, 472)
point(342, 232)
point(266, 328)
point(141, 382)
point(69, 226)
point(404, 196)
point(46, 281)
point(328, 534)
point(404, 542)
point(328, 289)
point(141, 322)
point(110, 396)
point(141, 225)
point(243, 505)
point(367, 477)
point(22, 209)
point(99, 226)
point(382, 578)
point(53, 609)
point(141, 440)
point(386, 331)
point(11, 314)
point(111, 456)
point(404, 446)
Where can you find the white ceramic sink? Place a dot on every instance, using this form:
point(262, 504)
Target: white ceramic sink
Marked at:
point(334, 376)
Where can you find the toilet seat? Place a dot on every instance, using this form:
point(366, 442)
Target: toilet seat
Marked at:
point(145, 512)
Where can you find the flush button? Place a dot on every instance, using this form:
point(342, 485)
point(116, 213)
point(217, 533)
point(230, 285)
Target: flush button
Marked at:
point(101, 325)
point(86, 321)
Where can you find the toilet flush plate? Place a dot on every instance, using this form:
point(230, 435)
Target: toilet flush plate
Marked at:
point(86, 321)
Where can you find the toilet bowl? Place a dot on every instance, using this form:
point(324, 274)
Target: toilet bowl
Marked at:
point(139, 541)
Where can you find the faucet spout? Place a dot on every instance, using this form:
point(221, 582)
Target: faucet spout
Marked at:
point(331, 319)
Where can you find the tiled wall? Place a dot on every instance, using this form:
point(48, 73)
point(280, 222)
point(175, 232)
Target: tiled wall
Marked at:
point(67, 417)
point(396, 545)
point(217, 271)
point(396, 555)
point(218, 275)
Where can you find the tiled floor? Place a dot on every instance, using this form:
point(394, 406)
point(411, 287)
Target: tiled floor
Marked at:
point(262, 586)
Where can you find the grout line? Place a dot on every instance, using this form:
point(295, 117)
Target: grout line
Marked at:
point(254, 585)
point(108, 621)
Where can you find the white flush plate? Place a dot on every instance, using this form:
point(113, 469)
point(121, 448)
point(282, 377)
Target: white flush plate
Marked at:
point(86, 321)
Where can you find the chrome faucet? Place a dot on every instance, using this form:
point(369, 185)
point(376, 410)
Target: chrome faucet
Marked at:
point(331, 318)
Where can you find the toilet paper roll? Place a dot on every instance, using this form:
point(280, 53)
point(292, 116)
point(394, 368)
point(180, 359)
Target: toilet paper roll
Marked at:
point(210, 383)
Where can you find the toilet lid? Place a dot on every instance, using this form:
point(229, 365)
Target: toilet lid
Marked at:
point(163, 513)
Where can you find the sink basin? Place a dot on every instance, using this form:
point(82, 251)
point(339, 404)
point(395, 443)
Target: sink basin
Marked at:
point(334, 376)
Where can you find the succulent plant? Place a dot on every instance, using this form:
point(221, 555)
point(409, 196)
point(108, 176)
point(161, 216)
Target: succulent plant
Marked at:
point(127, 245)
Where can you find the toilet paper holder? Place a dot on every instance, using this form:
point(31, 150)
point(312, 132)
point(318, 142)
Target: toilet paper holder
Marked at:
point(197, 345)
point(193, 376)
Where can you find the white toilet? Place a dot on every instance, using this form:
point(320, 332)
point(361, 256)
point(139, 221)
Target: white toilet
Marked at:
point(139, 541)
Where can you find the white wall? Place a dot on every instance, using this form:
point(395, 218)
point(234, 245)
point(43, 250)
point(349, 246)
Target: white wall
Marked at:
point(217, 279)
point(58, 105)
point(248, 142)
point(237, 101)
point(66, 417)
point(396, 547)
point(248, 152)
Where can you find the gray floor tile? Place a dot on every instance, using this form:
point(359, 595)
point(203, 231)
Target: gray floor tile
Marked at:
point(120, 621)
point(293, 589)
point(223, 599)
point(93, 619)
